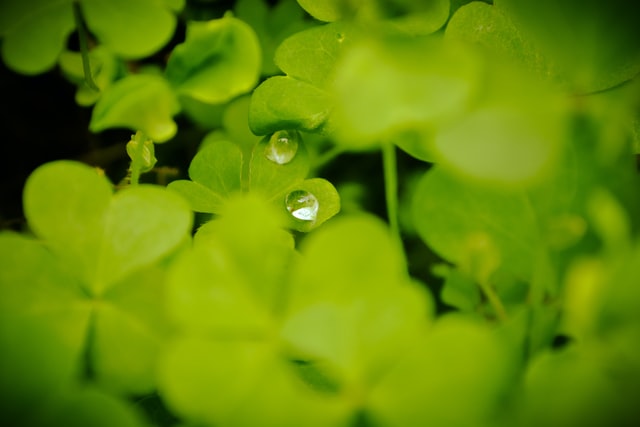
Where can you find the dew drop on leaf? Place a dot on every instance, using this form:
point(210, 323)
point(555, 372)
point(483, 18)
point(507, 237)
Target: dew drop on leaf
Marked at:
point(282, 146)
point(302, 205)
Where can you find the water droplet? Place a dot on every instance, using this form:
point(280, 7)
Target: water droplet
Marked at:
point(340, 37)
point(302, 205)
point(282, 146)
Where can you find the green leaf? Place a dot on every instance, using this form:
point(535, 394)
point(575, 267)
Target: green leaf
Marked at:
point(596, 45)
point(34, 33)
point(460, 291)
point(105, 69)
point(457, 376)
point(215, 172)
point(501, 145)
point(128, 328)
point(271, 178)
point(321, 202)
point(324, 10)
point(64, 203)
point(235, 122)
point(131, 29)
point(87, 406)
point(303, 106)
point(413, 85)
point(454, 218)
point(139, 102)
point(272, 25)
point(302, 101)
point(488, 26)
point(418, 18)
point(36, 361)
point(239, 375)
point(102, 238)
point(350, 295)
point(219, 60)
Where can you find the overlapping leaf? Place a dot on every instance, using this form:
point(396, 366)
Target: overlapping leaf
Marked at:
point(416, 18)
point(300, 99)
point(102, 264)
point(227, 296)
point(35, 33)
point(142, 102)
point(217, 173)
point(593, 47)
point(219, 60)
point(272, 25)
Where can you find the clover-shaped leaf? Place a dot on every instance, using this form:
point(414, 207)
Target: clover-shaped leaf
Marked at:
point(226, 297)
point(277, 169)
point(34, 33)
point(219, 60)
point(143, 102)
point(300, 99)
point(104, 263)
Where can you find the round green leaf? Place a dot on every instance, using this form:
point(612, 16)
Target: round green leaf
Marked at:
point(271, 178)
point(324, 10)
point(34, 33)
point(130, 28)
point(219, 60)
point(456, 219)
point(457, 376)
point(412, 84)
point(139, 102)
point(65, 203)
point(325, 205)
point(300, 100)
point(215, 172)
point(142, 225)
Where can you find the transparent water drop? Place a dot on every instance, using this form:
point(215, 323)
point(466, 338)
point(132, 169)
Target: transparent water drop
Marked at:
point(282, 146)
point(302, 205)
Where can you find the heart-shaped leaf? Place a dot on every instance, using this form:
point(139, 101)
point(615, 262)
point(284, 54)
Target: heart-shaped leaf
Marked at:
point(219, 60)
point(102, 238)
point(142, 102)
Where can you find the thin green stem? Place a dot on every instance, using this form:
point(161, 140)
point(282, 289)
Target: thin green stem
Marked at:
point(391, 186)
point(84, 49)
point(494, 300)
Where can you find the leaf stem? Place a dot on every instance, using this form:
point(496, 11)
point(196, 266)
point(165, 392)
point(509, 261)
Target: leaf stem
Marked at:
point(389, 165)
point(494, 300)
point(84, 49)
